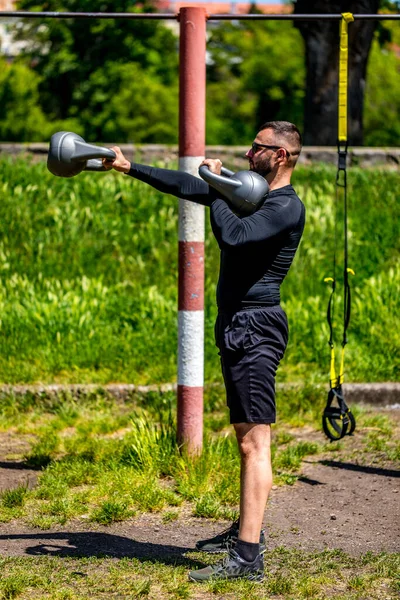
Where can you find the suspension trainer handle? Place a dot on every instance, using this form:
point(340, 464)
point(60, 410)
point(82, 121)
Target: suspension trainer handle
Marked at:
point(338, 420)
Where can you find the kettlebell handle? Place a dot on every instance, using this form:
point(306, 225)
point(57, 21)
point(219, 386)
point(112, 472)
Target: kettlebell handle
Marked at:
point(84, 151)
point(213, 178)
point(227, 172)
point(95, 164)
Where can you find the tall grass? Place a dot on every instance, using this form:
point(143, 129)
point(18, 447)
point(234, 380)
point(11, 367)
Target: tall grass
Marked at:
point(88, 279)
point(107, 460)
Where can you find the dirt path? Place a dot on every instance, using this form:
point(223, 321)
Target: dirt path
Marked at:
point(335, 504)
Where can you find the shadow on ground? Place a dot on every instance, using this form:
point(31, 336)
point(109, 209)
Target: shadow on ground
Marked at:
point(19, 466)
point(360, 468)
point(100, 545)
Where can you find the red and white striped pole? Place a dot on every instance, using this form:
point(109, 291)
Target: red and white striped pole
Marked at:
point(192, 87)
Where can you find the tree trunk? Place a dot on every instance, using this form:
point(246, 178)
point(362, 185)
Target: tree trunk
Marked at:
point(322, 62)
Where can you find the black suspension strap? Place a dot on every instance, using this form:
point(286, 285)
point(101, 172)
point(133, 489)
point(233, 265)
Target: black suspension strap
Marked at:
point(337, 419)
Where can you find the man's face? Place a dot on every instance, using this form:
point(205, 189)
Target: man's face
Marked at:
point(262, 160)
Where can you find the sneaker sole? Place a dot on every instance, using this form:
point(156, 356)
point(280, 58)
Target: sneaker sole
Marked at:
point(212, 551)
point(263, 550)
point(253, 578)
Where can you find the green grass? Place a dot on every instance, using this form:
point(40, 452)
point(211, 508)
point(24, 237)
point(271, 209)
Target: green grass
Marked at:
point(291, 457)
point(292, 575)
point(88, 286)
point(88, 279)
point(106, 461)
point(14, 497)
point(111, 511)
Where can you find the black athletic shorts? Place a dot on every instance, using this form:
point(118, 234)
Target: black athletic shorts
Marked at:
point(251, 344)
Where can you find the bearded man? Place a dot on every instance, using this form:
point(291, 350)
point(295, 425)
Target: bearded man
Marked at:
point(251, 330)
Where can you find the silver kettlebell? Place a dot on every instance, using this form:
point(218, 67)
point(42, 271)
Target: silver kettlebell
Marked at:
point(245, 190)
point(69, 154)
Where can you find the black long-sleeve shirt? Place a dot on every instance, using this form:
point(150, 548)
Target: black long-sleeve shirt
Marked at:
point(256, 251)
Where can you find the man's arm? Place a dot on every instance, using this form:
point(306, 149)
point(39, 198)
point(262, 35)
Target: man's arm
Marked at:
point(178, 183)
point(272, 219)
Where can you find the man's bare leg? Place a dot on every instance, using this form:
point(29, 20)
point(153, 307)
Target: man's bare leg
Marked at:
point(245, 560)
point(254, 440)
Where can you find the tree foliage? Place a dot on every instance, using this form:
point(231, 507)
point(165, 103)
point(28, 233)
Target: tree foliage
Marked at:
point(321, 40)
point(256, 73)
point(382, 105)
point(21, 116)
point(322, 65)
point(142, 108)
point(382, 93)
point(86, 64)
point(117, 80)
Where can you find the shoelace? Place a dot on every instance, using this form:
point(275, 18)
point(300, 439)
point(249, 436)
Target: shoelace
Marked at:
point(229, 536)
point(226, 533)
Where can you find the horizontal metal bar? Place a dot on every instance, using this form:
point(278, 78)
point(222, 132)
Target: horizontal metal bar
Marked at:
point(76, 15)
point(167, 16)
point(291, 17)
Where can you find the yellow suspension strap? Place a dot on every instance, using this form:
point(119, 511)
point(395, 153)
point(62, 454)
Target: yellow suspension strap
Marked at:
point(337, 421)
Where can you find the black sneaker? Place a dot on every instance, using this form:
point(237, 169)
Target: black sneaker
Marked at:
point(232, 567)
point(226, 540)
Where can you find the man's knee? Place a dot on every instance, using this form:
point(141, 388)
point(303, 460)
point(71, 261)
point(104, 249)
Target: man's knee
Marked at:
point(253, 438)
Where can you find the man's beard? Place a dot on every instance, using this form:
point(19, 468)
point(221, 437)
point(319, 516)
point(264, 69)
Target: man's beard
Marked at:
point(263, 168)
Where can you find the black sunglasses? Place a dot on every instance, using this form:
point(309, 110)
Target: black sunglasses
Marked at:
point(255, 147)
